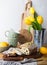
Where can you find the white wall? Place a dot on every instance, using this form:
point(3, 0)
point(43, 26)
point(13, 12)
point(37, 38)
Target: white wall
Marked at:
point(41, 8)
point(10, 14)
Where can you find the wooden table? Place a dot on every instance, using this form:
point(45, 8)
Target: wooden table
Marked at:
point(44, 60)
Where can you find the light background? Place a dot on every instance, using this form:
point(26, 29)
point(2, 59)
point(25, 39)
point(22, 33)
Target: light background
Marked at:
point(10, 15)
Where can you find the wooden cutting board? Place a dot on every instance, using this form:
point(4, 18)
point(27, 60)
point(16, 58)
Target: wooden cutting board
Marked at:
point(19, 58)
point(43, 58)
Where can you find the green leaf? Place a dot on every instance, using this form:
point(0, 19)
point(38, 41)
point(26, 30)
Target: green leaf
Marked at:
point(29, 28)
point(39, 27)
point(35, 16)
point(34, 25)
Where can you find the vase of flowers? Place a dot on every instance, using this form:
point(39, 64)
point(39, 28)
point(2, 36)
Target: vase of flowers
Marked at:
point(35, 21)
point(39, 37)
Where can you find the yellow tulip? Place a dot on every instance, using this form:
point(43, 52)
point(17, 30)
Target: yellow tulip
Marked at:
point(40, 19)
point(28, 20)
point(31, 18)
point(32, 11)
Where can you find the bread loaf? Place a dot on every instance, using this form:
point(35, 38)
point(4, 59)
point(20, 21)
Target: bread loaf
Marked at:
point(26, 34)
point(25, 51)
point(31, 46)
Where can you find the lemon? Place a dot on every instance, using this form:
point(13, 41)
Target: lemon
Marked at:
point(32, 11)
point(4, 44)
point(43, 50)
point(40, 19)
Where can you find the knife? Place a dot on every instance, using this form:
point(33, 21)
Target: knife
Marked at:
point(30, 60)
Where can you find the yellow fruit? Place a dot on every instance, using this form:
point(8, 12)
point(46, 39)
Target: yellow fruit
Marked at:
point(43, 50)
point(40, 19)
point(32, 11)
point(4, 44)
point(28, 20)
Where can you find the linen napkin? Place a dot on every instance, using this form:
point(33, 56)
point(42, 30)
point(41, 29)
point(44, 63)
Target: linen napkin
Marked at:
point(2, 62)
point(15, 63)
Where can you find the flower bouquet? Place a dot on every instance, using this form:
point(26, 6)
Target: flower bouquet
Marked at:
point(34, 20)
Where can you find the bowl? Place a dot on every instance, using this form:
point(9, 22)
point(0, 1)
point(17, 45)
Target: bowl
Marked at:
point(4, 48)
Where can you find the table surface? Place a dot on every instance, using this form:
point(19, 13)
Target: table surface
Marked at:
point(44, 60)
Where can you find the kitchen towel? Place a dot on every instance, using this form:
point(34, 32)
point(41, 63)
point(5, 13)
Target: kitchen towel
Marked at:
point(2, 62)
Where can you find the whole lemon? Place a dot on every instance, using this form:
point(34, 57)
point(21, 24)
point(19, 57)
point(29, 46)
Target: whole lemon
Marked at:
point(4, 44)
point(43, 50)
